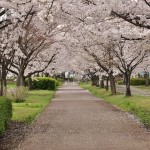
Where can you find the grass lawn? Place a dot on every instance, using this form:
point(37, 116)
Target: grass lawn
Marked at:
point(137, 105)
point(34, 104)
point(11, 85)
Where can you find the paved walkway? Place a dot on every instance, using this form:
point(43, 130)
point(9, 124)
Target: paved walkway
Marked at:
point(76, 120)
point(134, 90)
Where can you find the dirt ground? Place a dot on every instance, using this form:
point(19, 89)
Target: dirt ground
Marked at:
point(15, 133)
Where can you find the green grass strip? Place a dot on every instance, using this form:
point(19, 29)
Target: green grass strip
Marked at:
point(136, 105)
point(34, 104)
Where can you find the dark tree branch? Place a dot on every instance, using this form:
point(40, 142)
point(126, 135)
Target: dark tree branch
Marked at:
point(132, 21)
point(147, 3)
point(80, 19)
point(97, 60)
point(131, 39)
point(38, 71)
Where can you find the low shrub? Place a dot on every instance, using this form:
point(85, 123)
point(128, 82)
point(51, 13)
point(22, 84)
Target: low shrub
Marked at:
point(135, 81)
point(44, 83)
point(120, 82)
point(17, 94)
point(60, 79)
point(5, 113)
point(57, 82)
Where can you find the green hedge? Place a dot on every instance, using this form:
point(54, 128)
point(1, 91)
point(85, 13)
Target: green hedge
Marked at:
point(120, 82)
point(5, 113)
point(45, 83)
point(57, 82)
point(135, 81)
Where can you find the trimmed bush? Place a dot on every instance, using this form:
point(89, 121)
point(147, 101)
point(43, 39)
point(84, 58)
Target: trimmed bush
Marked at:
point(135, 81)
point(44, 83)
point(5, 113)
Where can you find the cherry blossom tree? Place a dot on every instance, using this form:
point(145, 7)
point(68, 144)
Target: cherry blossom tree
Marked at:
point(126, 56)
point(47, 35)
point(135, 12)
point(7, 52)
point(32, 46)
point(27, 39)
point(4, 22)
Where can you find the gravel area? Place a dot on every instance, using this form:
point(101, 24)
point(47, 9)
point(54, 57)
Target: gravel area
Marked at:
point(76, 120)
point(15, 133)
point(134, 90)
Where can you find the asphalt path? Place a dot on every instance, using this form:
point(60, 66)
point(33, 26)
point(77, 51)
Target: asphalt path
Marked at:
point(77, 120)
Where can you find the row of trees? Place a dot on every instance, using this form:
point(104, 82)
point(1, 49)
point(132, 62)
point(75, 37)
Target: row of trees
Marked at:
point(111, 35)
point(27, 31)
point(113, 38)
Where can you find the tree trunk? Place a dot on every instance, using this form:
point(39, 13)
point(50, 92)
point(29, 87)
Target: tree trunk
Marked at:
point(29, 83)
point(3, 74)
point(107, 84)
point(112, 84)
point(102, 83)
point(146, 76)
point(5, 82)
point(2, 87)
point(37, 75)
point(46, 74)
point(20, 80)
point(42, 74)
point(127, 83)
point(95, 80)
